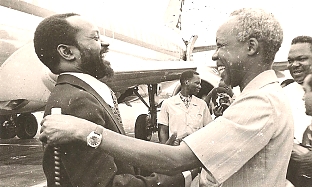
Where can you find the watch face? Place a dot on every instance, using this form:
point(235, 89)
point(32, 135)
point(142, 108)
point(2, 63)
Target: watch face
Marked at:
point(94, 140)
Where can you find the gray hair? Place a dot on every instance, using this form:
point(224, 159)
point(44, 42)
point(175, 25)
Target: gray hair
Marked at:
point(256, 23)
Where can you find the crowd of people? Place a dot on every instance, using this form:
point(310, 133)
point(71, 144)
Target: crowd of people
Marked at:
point(251, 141)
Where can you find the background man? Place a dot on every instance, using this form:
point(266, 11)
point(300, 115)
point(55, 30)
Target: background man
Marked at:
point(300, 165)
point(299, 65)
point(307, 86)
point(249, 145)
point(70, 45)
point(183, 113)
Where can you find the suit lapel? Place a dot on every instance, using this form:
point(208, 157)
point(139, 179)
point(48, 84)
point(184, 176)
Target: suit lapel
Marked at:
point(70, 79)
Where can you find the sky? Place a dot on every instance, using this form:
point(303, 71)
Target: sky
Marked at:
point(204, 17)
point(199, 17)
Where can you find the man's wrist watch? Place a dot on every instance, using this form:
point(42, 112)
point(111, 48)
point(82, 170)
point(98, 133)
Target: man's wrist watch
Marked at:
point(94, 139)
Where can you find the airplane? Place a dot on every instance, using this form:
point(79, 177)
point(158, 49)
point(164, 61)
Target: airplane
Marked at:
point(146, 60)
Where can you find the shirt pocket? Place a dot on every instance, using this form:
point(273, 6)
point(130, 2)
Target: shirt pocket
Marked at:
point(195, 119)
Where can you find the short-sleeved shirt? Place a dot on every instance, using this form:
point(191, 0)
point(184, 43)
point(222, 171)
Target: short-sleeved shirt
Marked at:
point(182, 120)
point(250, 145)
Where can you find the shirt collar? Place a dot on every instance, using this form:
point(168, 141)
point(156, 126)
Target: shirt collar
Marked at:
point(264, 78)
point(189, 97)
point(101, 88)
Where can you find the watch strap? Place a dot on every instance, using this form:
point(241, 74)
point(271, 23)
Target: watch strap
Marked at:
point(98, 130)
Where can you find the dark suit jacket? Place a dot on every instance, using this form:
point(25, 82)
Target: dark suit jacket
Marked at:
point(82, 165)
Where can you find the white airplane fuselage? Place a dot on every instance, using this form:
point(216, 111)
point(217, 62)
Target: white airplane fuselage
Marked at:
point(138, 54)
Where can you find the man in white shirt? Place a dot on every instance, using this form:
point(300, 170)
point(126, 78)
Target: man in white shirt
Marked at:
point(183, 113)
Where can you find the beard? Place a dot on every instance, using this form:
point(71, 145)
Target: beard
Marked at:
point(95, 65)
point(107, 69)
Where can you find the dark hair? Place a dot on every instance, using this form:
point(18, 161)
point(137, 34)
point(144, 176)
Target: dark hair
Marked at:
point(187, 75)
point(302, 39)
point(50, 33)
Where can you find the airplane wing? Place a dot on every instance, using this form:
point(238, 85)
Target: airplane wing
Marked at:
point(198, 49)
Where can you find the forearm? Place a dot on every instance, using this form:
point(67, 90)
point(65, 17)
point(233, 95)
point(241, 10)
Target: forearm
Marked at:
point(165, 159)
point(162, 139)
point(163, 134)
point(148, 155)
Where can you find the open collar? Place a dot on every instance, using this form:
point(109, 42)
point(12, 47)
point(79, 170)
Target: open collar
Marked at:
point(261, 80)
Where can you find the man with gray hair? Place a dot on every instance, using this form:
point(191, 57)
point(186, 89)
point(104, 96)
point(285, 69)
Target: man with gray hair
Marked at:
point(248, 146)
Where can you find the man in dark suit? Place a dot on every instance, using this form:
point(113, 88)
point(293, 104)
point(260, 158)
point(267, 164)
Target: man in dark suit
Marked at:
point(70, 46)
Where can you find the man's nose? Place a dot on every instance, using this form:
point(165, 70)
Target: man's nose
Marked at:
point(104, 43)
point(215, 56)
point(295, 63)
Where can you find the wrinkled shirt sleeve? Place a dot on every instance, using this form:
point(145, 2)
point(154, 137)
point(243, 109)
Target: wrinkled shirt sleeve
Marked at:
point(224, 145)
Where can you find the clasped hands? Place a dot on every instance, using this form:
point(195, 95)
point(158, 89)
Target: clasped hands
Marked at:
point(175, 142)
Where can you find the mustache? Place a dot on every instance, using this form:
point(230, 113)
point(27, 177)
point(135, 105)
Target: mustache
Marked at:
point(106, 62)
point(104, 50)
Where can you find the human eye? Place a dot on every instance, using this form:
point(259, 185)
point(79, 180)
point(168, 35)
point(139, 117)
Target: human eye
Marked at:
point(302, 59)
point(220, 45)
point(96, 38)
point(197, 83)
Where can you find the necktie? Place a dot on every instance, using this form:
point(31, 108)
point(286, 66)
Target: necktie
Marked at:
point(185, 100)
point(115, 108)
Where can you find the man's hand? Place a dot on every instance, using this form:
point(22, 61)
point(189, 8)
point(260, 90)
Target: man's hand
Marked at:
point(172, 139)
point(307, 136)
point(194, 172)
point(59, 129)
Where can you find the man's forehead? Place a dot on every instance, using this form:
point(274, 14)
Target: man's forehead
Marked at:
point(195, 77)
point(300, 48)
point(81, 22)
point(227, 28)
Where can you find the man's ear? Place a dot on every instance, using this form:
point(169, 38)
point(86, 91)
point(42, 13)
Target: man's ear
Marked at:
point(66, 52)
point(253, 46)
